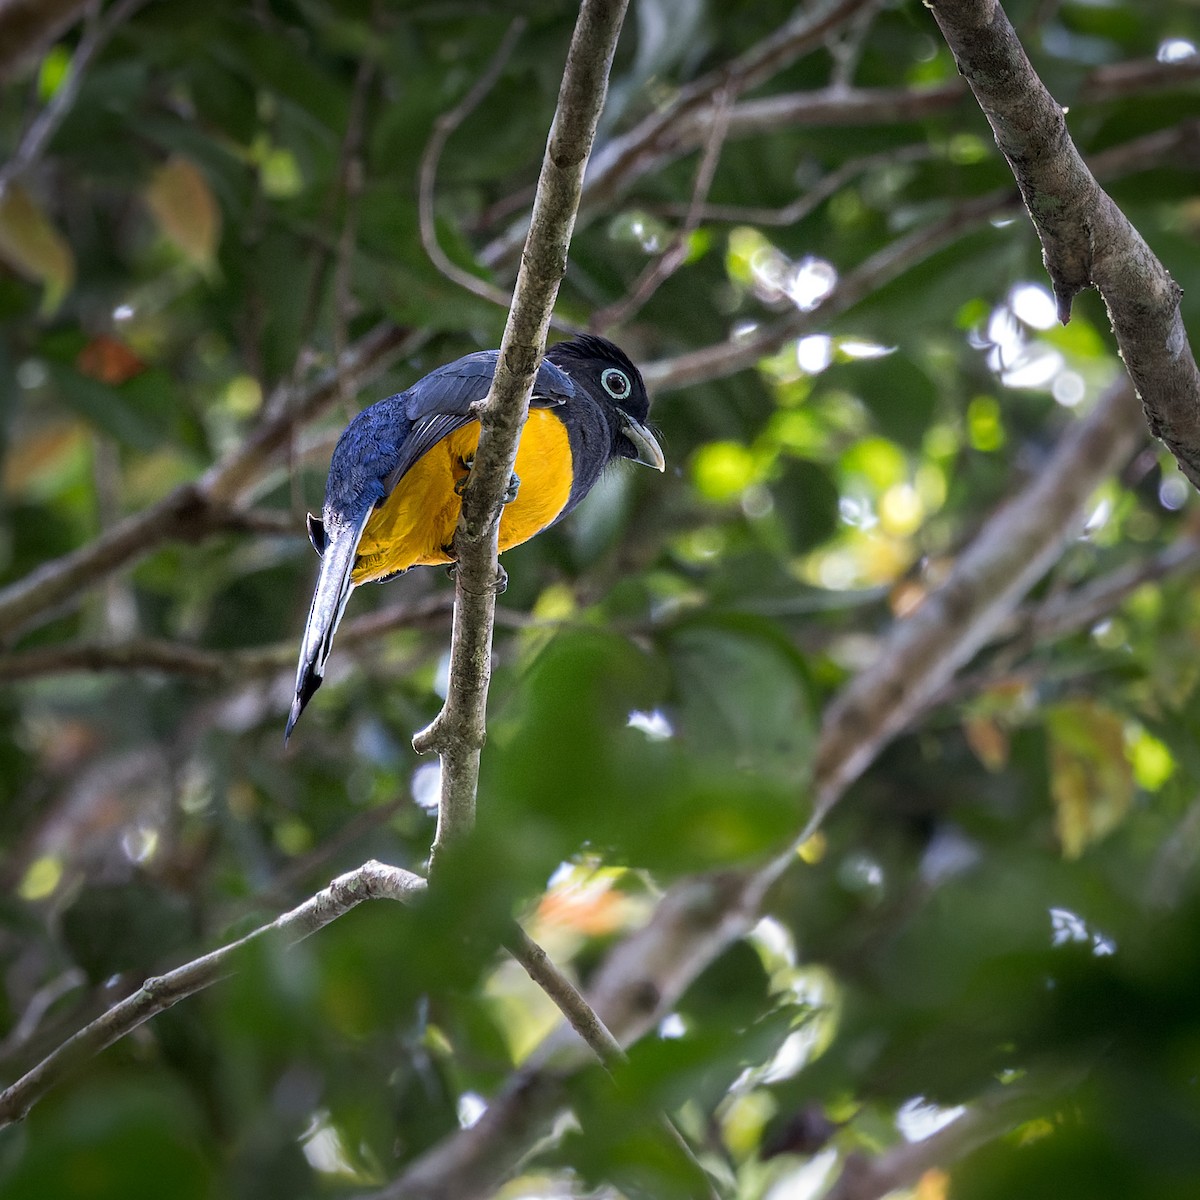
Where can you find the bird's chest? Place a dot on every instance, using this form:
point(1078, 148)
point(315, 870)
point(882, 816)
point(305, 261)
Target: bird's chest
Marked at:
point(416, 524)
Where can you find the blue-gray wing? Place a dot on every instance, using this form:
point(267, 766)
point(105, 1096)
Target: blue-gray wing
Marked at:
point(441, 402)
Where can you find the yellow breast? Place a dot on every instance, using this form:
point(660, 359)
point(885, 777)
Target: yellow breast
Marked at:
point(416, 524)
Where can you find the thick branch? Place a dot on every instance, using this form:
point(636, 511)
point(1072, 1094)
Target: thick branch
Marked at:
point(901, 1166)
point(1086, 239)
point(457, 734)
point(1012, 552)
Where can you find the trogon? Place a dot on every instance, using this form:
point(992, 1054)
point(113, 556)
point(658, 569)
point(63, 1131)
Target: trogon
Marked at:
point(394, 493)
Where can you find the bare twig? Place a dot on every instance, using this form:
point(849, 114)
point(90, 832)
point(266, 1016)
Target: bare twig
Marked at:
point(620, 160)
point(671, 259)
point(741, 352)
point(371, 881)
point(443, 127)
point(97, 30)
point(1086, 240)
point(738, 353)
point(847, 49)
point(657, 142)
point(26, 26)
point(795, 212)
point(458, 732)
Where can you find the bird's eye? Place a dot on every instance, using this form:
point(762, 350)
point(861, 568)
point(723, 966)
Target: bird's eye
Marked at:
point(616, 383)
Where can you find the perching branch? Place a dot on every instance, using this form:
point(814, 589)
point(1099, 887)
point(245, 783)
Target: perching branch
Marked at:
point(458, 732)
point(371, 881)
point(1086, 240)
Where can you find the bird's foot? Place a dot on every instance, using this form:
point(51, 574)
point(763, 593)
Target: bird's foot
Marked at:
point(499, 585)
point(460, 484)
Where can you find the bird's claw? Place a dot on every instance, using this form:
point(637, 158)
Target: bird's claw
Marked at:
point(460, 484)
point(499, 585)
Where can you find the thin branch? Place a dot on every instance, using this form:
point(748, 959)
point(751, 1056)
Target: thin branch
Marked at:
point(847, 50)
point(795, 212)
point(833, 106)
point(28, 26)
point(1063, 614)
point(671, 259)
point(443, 127)
point(1068, 612)
point(658, 141)
point(584, 1020)
point(458, 731)
point(618, 162)
point(742, 352)
point(1086, 240)
point(581, 1017)
point(371, 881)
point(97, 31)
point(739, 353)
point(180, 658)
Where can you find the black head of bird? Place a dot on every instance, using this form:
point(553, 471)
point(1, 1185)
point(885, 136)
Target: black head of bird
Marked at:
point(394, 492)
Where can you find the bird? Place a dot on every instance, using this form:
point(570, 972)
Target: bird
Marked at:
point(398, 472)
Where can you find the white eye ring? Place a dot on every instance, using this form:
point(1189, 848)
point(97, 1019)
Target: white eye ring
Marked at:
point(616, 383)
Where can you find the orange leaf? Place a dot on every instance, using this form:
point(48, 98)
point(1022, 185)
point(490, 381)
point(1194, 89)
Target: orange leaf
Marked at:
point(108, 360)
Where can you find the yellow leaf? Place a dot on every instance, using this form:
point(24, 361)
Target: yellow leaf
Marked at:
point(1091, 776)
point(988, 739)
point(933, 1185)
point(33, 247)
point(186, 209)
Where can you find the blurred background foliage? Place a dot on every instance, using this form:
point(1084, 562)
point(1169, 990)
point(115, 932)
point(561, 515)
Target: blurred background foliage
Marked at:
point(1003, 912)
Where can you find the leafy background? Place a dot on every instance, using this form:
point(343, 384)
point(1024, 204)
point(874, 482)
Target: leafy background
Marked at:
point(1004, 906)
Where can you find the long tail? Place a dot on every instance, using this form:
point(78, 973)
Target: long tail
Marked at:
point(328, 603)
